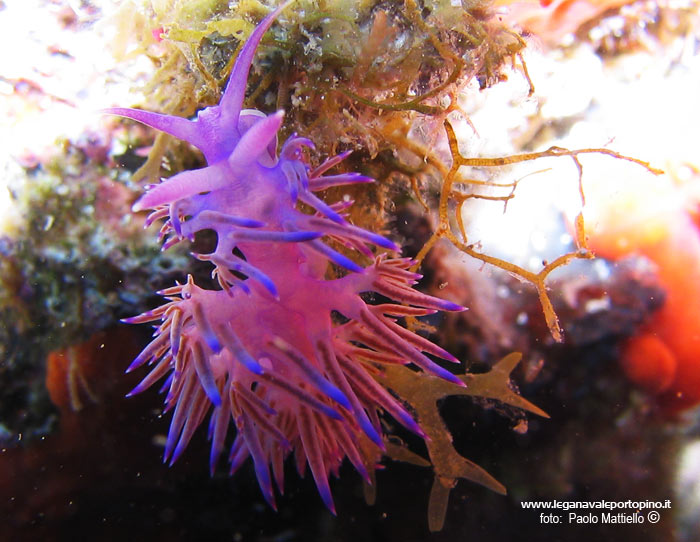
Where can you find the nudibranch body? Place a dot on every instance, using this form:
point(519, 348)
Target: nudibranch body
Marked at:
point(267, 352)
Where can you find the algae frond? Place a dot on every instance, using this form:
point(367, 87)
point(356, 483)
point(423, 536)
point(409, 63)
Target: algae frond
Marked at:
point(423, 395)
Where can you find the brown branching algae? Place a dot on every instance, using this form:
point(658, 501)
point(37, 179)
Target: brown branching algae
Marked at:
point(424, 394)
point(452, 196)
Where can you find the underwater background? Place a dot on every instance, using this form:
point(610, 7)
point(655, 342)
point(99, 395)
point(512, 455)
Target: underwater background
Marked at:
point(536, 164)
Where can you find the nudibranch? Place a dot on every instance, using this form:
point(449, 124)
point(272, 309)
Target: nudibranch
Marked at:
point(655, 219)
point(282, 353)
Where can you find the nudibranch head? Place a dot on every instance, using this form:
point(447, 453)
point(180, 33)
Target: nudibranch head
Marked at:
point(218, 129)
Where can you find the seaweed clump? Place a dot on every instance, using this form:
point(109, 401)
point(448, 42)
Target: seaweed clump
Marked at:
point(74, 261)
point(349, 75)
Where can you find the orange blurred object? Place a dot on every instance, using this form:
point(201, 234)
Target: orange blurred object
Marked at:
point(551, 20)
point(49, 482)
point(84, 372)
point(655, 220)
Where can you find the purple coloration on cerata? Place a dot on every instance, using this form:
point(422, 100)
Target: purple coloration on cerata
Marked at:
point(265, 351)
